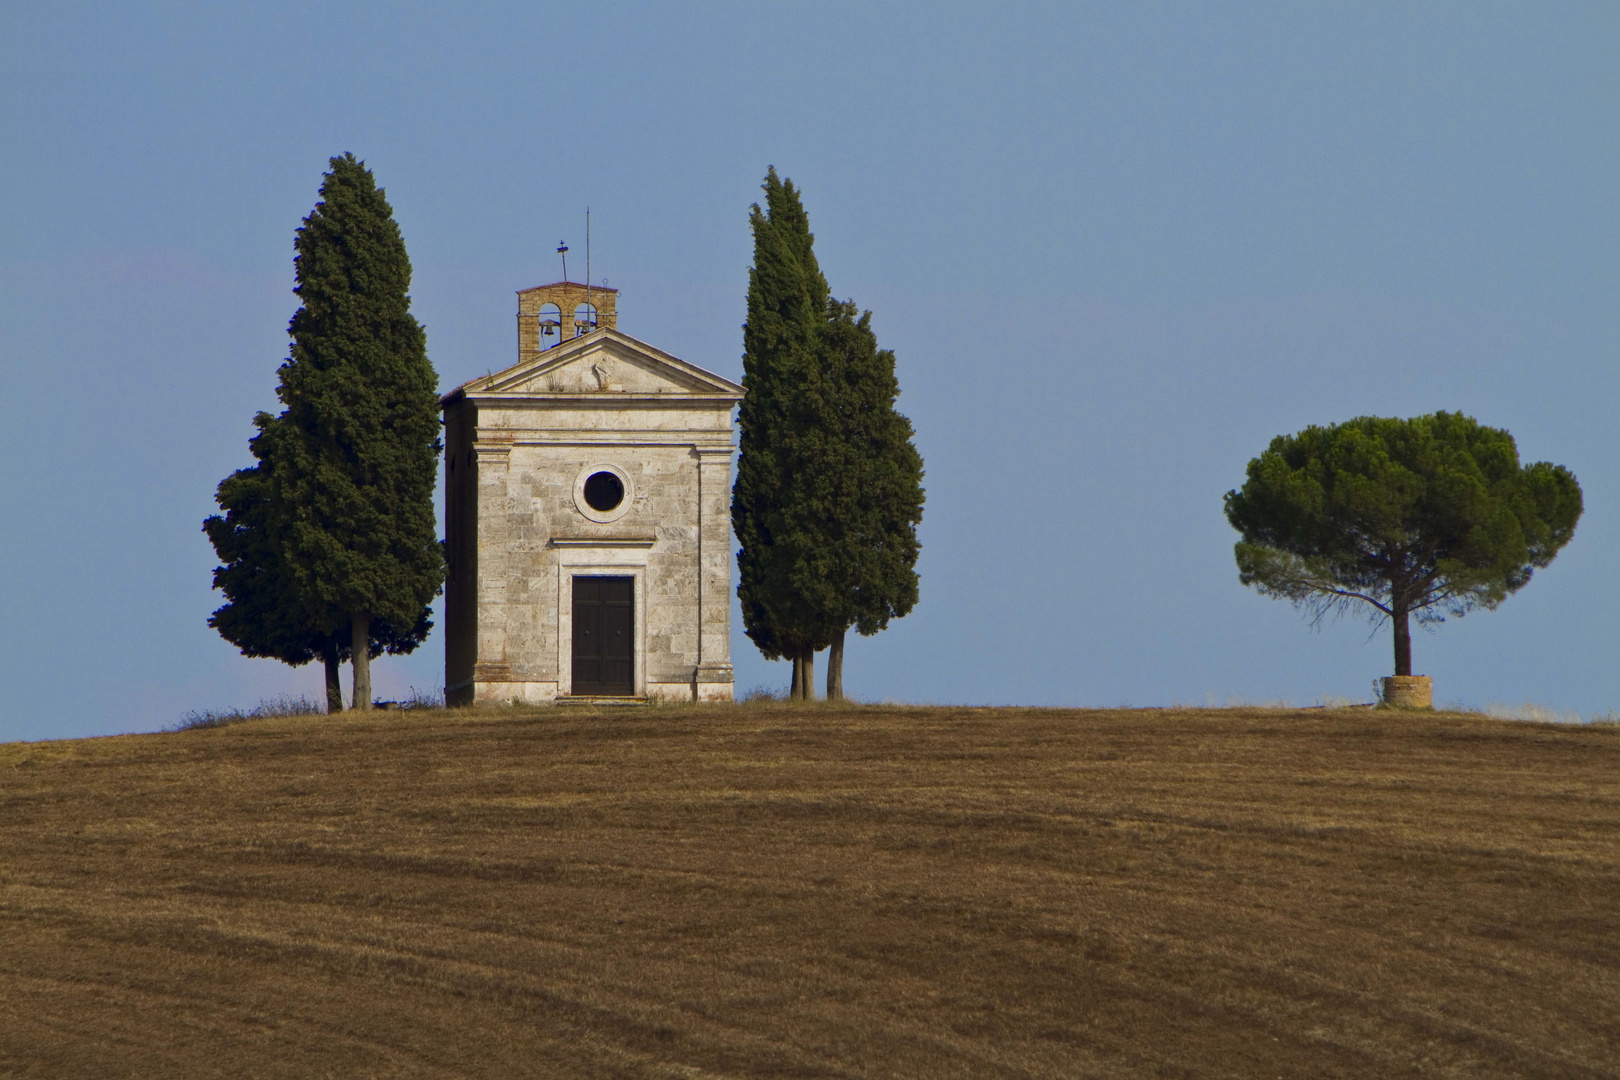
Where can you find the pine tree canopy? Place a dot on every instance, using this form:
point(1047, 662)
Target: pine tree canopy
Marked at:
point(1428, 517)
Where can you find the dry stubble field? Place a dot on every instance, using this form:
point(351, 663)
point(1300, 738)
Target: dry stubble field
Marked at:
point(815, 892)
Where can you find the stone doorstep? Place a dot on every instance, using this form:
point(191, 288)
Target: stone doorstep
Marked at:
point(588, 699)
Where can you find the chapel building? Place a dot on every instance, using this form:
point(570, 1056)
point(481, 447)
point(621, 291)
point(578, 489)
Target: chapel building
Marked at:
point(587, 498)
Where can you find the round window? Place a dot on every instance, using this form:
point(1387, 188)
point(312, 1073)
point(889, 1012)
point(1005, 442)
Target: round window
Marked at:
point(604, 491)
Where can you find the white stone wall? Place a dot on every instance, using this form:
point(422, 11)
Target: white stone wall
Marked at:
point(529, 447)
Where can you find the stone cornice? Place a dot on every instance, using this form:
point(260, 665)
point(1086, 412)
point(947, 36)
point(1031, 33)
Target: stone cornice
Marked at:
point(604, 541)
point(599, 399)
point(575, 437)
point(712, 386)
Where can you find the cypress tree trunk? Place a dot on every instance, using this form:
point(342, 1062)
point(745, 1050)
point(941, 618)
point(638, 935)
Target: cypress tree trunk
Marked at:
point(809, 682)
point(835, 668)
point(334, 673)
point(1403, 641)
point(360, 657)
point(796, 688)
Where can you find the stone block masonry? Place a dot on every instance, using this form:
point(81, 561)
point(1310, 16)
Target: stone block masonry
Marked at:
point(601, 457)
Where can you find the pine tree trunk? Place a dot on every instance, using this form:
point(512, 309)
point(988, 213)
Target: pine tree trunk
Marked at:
point(360, 658)
point(796, 689)
point(835, 668)
point(334, 677)
point(1403, 642)
point(809, 674)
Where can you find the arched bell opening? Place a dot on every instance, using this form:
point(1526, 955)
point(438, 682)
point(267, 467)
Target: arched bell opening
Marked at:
point(550, 319)
point(584, 319)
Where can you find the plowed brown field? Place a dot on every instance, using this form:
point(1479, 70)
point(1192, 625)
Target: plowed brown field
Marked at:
point(815, 892)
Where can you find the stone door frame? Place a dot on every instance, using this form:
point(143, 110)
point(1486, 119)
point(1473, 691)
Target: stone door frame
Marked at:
point(601, 558)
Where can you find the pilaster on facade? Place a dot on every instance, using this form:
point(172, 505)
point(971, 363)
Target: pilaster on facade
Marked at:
point(714, 563)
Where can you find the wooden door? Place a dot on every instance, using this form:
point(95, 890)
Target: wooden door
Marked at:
point(604, 629)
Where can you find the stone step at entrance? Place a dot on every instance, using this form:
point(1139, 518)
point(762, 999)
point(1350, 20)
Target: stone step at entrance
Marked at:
point(592, 699)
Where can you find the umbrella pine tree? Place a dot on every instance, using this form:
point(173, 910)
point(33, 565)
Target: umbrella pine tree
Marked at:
point(1401, 519)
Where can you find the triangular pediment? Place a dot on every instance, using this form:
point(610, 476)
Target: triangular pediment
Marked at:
point(603, 362)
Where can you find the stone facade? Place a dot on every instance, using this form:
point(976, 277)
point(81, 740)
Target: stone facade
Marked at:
point(520, 446)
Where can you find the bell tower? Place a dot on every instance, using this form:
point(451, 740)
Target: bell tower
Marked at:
point(551, 315)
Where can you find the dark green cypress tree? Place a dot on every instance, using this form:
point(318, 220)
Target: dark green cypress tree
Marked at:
point(871, 492)
point(781, 428)
point(263, 614)
point(829, 484)
point(354, 475)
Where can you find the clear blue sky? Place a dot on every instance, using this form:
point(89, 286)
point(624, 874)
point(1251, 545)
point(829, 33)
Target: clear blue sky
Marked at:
point(1116, 247)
